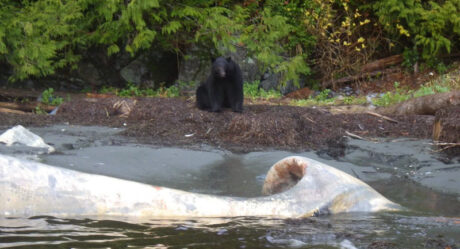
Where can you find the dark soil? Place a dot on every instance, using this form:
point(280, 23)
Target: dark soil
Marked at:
point(177, 122)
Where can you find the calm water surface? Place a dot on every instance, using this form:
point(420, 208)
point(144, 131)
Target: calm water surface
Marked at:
point(403, 171)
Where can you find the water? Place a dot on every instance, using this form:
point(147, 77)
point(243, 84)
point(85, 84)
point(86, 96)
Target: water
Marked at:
point(404, 171)
point(356, 231)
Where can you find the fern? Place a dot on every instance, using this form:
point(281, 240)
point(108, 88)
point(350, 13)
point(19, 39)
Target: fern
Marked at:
point(171, 27)
point(433, 27)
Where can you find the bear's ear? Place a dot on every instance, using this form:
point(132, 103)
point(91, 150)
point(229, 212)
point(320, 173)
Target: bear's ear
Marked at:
point(229, 59)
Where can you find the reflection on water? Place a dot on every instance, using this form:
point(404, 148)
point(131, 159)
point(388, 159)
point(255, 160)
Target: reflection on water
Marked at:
point(416, 197)
point(340, 231)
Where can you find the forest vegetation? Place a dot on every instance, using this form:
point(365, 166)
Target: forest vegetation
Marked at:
point(325, 39)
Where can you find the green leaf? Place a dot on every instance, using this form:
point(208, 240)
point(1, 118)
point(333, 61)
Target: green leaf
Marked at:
point(171, 27)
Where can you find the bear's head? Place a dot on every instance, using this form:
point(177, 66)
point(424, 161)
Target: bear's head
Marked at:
point(221, 67)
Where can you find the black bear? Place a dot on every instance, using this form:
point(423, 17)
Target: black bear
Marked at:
point(223, 88)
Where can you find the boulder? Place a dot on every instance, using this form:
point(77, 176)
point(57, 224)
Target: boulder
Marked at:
point(21, 135)
point(134, 71)
point(88, 72)
point(196, 65)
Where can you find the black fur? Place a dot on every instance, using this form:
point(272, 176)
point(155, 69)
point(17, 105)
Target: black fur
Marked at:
point(223, 88)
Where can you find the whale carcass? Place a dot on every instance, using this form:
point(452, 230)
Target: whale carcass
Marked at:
point(295, 187)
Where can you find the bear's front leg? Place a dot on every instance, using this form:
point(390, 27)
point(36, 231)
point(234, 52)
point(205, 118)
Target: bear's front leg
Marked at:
point(216, 95)
point(235, 97)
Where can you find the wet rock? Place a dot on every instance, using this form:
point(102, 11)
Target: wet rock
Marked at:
point(335, 148)
point(21, 135)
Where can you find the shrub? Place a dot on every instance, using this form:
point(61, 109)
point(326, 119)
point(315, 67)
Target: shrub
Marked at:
point(252, 90)
point(430, 27)
point(48, 97)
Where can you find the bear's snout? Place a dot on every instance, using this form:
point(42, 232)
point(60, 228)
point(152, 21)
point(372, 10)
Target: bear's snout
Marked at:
point(220, 73)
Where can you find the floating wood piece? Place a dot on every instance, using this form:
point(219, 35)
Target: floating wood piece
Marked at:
point(381, 116)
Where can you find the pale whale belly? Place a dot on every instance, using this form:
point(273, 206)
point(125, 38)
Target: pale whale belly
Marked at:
point(295, 187)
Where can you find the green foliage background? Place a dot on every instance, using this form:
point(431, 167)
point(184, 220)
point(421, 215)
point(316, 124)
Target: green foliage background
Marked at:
point(38, 37)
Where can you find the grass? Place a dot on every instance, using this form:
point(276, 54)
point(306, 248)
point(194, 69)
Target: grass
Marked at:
point(251, 90)
point(441, 85)
point(132, 90)
point(444, 83)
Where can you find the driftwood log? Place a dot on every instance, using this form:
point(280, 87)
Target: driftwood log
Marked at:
point(382, 63)
point(23, 107)
point(426, 105)
point(446, 130)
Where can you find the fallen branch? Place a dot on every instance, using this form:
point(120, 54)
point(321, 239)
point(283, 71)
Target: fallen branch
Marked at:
point(354, 135)
point(26, 107)
point(382, 63)
point(444, 145)
point(371, 69)
point(355, 78)
point(381, 116)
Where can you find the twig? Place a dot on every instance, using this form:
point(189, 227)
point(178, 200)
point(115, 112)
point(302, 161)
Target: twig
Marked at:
point(445, 145)
point(381, 116)
point(360, 138)
point(309, 119)
point(354, 135)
